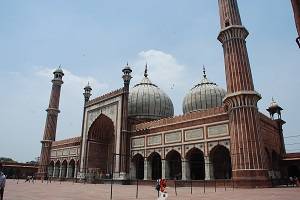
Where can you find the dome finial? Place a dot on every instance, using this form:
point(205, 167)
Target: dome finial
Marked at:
point(204, 72)
point(146, 70)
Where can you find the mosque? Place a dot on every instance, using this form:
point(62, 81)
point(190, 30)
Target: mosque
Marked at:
point(131, 133)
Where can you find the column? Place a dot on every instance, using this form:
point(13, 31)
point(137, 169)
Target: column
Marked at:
point(68, 171)
point(145, 169)
point(132, 170)
point(163, 169)
point(53, 172)
point(183, 168)
point(60, 171)
point(208, 169)
point(75, 171)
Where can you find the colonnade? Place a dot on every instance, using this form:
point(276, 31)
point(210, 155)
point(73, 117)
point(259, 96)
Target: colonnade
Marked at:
point(63, 170)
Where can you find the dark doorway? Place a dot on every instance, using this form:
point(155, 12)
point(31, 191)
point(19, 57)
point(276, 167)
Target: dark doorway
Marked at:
point(173, 160)
point(293, 171)
point(138, 162)
point(155, 163)
point(196, 162)
point(221, 161)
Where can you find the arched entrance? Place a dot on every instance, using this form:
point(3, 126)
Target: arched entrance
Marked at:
point(57, 169)
point(195, 159)
point(100, 145)
point(71, 170)
point(173, 165)
point(64, 169)
point(155, 165)
point(50, 169)
point(138, 166)
point(221, 161)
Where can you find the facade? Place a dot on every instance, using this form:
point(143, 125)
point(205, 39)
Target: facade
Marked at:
point(132, 133)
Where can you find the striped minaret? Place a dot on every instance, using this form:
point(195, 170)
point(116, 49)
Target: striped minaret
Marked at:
point(296, 8)
point(51, 121)
point(247, 155)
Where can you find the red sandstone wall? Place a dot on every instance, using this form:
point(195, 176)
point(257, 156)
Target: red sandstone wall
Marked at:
point(271, 138)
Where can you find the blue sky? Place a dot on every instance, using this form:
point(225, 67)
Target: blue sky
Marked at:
point(93, 40)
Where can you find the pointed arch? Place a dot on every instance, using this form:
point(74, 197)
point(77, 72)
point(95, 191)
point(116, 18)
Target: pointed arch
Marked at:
point(221, 162)
point(137, 166)
point(154, 164)
point(101, 140)
point(195, 160)
point(173, 165)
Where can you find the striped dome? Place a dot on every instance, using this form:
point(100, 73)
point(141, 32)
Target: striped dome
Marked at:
point(147, 101)
point(203, 96)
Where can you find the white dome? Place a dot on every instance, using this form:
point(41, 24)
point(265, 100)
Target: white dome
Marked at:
point(203, 96)
point(147, 101)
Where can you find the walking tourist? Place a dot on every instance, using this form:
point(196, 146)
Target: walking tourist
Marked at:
point(2, 184)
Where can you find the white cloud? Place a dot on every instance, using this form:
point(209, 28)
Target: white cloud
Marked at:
point(163, 68)
point(71, 79)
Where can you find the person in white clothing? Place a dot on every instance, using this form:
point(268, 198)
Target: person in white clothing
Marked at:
point(2, 184)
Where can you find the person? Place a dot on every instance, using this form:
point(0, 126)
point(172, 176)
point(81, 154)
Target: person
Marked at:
point(2, 184)
point(157, 186)
point(163, 193)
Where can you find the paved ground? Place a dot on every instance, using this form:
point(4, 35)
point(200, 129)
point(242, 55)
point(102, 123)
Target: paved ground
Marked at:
point(78, 191)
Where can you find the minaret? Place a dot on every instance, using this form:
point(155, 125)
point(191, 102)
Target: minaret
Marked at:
point(296, 8)
point(87, 94)
point(124, 137)
point(51, 122)
point(247, 155)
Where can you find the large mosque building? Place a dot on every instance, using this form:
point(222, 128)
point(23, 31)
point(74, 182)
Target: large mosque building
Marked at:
point(132, 133)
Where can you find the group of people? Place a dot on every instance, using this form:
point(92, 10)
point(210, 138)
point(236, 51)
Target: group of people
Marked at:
point(2, 182)
point(294, 181)
point(161, 185)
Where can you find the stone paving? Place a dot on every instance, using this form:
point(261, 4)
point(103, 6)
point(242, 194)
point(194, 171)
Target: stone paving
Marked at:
point(79, 191)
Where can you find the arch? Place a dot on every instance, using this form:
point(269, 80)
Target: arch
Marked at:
point(100, 145)
point(51, 169)
point(64, 167)
point(293, 171)
point(196, 167)
point(173, 165)
point(57, 169)
point(138, 166)
point(154, 161)
point(71, 170)
point(221, 162)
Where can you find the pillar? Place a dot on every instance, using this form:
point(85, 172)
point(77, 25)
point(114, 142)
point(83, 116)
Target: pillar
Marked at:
point(132, 170)
point(51, 123)
point(75, 171)
point(296, 8)
point(183, 168)
point(164, 169)
point(60, 171)
point(145, 169)
point(68, 171)
point(209, 171)
point(247, 152)
point(124, 130)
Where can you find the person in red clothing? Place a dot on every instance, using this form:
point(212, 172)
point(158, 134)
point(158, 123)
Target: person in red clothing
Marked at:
point(163, 185)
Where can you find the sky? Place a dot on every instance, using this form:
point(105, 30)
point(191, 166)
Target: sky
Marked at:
point(93, 40)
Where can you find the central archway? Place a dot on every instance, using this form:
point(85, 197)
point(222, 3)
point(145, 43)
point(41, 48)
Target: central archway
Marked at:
point(101, 142)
